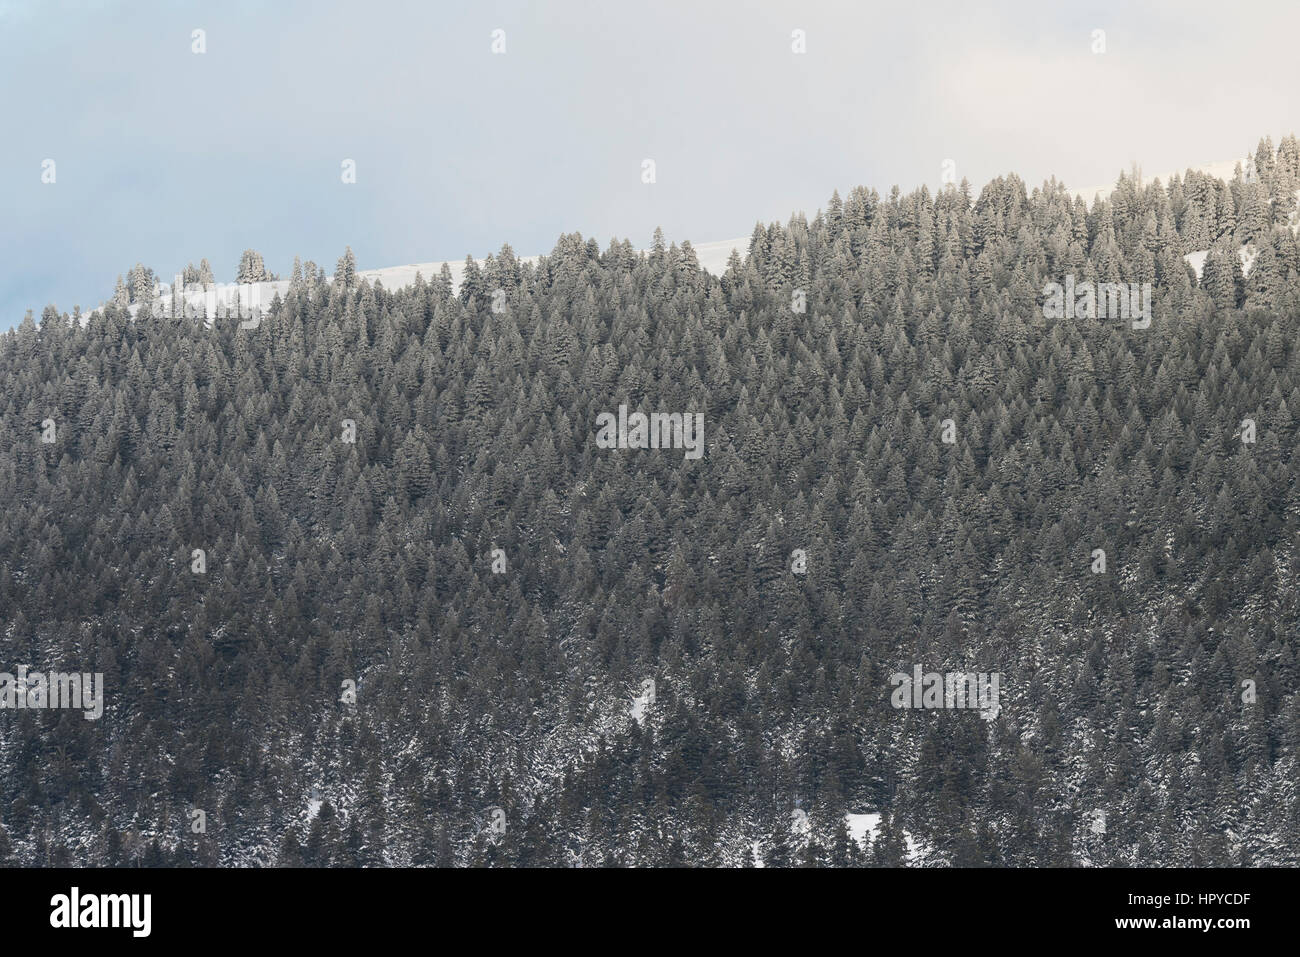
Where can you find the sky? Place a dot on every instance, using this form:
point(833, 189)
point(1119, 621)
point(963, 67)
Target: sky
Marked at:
point(164, 156)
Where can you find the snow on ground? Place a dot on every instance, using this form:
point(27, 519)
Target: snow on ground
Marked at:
point(1221, 169)
point(860, 825)
point(868, 825)
point(861, 828)
point(800, 826)
point(1097, 822)
point(1197, 259)
point(640, 705)
point(712, 257)
point(1247, 253)
point(398, 277)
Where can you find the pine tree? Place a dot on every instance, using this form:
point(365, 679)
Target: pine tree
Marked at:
point(345, 273)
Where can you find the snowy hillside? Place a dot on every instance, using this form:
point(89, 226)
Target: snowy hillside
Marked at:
point(712, 257)
point(1197, 259)
point(1247, 253)
point(1219, 169)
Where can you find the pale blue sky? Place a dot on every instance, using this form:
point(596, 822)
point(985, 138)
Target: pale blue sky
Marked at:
point(164, 156)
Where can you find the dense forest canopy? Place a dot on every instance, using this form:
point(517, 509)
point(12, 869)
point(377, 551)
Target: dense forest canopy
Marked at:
point(429, 602)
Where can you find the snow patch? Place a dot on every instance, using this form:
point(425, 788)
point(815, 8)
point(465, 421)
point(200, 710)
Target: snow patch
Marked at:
point(1097, 822)
point(800, 826)
point(1197, 261)
point(863, 826)
point(712, 257)
point(640, 705)
point(1219, 169)
point(1247, 253)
